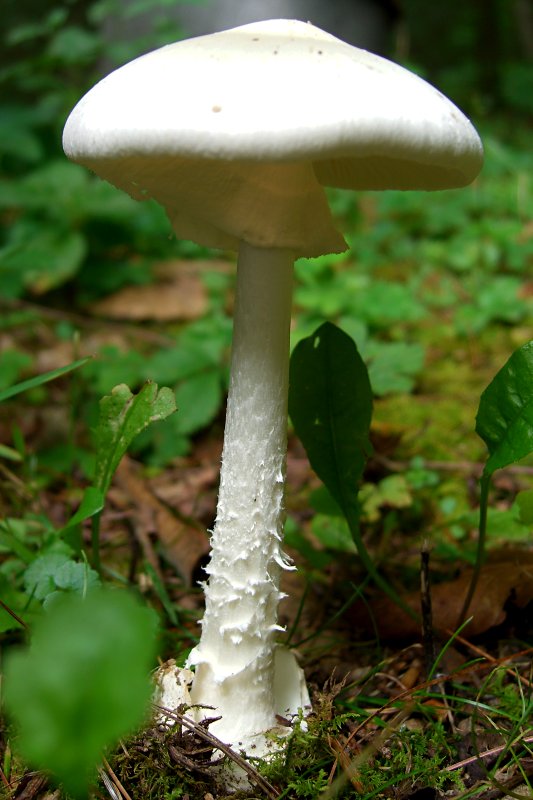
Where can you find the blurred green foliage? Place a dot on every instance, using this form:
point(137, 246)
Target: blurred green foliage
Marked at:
point(82, 683)
point(482, 54)
point(41, 561)
point(428, 277)
point(68, 239)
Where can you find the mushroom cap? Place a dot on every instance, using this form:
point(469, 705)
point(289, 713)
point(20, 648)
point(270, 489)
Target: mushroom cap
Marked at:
point(236, 133)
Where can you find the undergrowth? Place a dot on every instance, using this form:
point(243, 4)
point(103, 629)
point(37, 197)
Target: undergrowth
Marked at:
point(436, 292)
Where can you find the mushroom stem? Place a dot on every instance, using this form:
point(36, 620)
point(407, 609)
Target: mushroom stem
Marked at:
point(235, 659)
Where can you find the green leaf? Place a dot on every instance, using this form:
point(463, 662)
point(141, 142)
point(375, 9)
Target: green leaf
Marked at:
point(113, 367)
point(44, 261)
point(92, 503)
point(391, 492)
point(9, 454)
point(505, 415)
point(57, 571)
point(333, 533)
point(524, 501)
point(82, 683)
point(13, 533)
point(393, 365)
point(38, 380)
point(123, 416)
point(330, 404)
point(198, 399)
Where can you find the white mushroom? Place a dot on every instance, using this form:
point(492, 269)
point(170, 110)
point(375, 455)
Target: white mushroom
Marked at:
point(236, 134)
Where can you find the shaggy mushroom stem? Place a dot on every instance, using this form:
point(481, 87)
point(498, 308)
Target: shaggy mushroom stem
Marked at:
point(235, 659)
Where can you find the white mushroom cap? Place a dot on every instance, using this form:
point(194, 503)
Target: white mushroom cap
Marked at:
point(236, 133)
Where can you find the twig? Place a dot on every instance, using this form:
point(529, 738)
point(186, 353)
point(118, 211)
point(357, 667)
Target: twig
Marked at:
point(496, 662)
point(112, 790)
point(252, 773)
point(479, 756)
point(484, 484)
point(428, 637)
point(350, 770)
point(118, 784)
point(408, 693)
point(12, 613)
point(4, 779)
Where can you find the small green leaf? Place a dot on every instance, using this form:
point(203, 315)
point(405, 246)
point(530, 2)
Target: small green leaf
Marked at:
point(9, 454)
point(39, 577)
point(391, 492)
point(57, 571)
point(123, 416)
point(505, 416)
point(330, 404)
point(333, 533)
point(199, 399)
point(82, 683)
point(92, 503)
point(393, 365)
point(524, 501)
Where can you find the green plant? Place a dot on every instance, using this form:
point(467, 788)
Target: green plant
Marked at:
point(330, 405)
point(82, 683)
point(505, 423)
point(43, 560)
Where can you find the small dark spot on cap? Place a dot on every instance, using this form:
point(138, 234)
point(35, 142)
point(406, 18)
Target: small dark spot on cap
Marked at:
point(276, 52)
point(255, 39)
point(320, 52)
point(216, 109)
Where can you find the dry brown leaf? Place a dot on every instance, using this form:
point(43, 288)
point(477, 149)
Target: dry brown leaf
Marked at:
point(191, 490)
point(506, 580)
point(179, 295)
point(184, 545)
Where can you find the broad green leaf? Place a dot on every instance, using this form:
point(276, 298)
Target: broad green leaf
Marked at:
point(38, 380)
point(81, 684)
point(505, 415)
point(330, 404)
point(123, 416)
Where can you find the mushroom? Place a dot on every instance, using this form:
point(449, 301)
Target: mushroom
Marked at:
point(236, 134)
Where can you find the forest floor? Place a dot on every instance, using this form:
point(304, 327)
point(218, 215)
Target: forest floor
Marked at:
point(400, 710)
